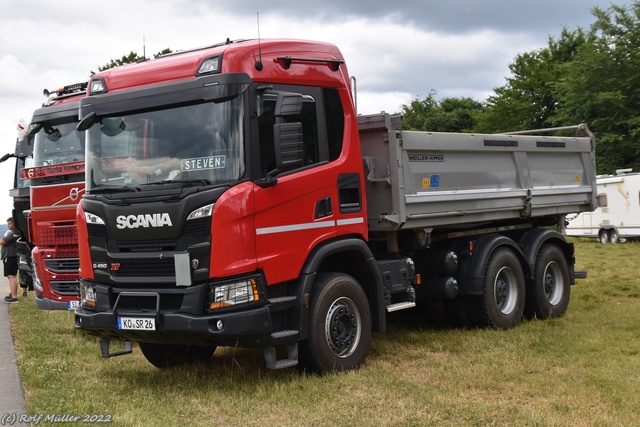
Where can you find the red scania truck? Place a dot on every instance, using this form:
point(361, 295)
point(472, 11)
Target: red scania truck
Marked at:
point(235, 198)
point(56, 184)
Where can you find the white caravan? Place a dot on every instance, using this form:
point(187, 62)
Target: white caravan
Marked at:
point(617, 217)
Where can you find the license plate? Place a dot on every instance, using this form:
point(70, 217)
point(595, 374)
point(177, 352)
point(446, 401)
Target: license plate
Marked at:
point(137, 323)
point(72, 305)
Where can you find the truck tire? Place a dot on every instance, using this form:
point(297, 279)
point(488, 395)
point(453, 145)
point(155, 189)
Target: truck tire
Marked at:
point(502, 304)
point(339, 325)
point(603, 236)
point(548, 294)
point(614, 237)
point(456, 312)
point(168, 355)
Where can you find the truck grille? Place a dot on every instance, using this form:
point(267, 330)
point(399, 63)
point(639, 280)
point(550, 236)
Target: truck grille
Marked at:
point(168, 302)
point(57, 235)
point(62, 265)
point(194, 227)
point(197, 227)
point(65, 288)
point(143, 267)
point(97, 230)
point(165, 245)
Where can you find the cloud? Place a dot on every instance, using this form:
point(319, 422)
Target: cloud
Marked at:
point(396, 50)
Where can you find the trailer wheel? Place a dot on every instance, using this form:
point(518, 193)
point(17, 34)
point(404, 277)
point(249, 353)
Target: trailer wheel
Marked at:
point(603, 236)
point(168, 355)
point(548, 295)
point(502, 303)
point(614, 237)
point(339, 325)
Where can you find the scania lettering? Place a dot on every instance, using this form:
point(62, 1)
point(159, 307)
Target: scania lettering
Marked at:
point(297, 225)
point(146, 221)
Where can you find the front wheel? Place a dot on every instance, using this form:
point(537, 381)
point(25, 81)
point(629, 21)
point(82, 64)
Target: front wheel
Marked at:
point(339, 325)
point(168, 355)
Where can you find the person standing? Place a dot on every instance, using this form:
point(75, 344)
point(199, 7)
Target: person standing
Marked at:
point(9, 255)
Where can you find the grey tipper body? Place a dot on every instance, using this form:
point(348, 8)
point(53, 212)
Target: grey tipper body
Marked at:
point(450, 180)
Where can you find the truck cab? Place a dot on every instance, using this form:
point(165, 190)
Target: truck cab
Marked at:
point(56, 184)
point(21, 204)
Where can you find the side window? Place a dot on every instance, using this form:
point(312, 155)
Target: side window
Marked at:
point(602, 200)
point(334, 119)
point(266, 119)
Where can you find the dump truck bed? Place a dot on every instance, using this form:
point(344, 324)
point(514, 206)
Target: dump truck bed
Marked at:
point(455, 180)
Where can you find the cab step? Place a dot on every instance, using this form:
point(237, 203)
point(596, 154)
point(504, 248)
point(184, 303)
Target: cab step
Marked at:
point(282, 303)
point(283, 337)
point(105, 344)
point(400, 306)
point(273, 363)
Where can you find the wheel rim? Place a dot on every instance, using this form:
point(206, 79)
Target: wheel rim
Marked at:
point(613, 238)
point(553, 283)
point(505, 289)
point(343, 327)
point(604, 237)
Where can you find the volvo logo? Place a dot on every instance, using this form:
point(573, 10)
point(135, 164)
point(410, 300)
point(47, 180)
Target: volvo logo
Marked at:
point(73, 194)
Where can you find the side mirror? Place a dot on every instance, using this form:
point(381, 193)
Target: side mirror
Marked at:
point(112, 126)
point(6, 157)
point(87, 122)
point(289, 142)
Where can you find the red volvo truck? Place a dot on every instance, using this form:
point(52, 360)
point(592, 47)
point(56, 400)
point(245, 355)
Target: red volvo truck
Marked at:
point(56, 185)
point(235, 198)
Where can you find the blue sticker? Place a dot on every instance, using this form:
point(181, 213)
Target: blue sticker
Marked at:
point(435, 181)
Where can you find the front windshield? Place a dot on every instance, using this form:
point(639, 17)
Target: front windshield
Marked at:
point(189, 143)
point(58, 142)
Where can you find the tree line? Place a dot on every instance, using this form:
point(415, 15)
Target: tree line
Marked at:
point(587, 76)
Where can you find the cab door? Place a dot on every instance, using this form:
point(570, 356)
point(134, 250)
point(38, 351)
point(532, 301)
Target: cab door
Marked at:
point(295, 199)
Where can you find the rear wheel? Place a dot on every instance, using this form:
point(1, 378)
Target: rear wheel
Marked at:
point(614, 237)
point(339, 325)
point(168, 355)
point(502, 303)
point(603, 236)
point(548, 295)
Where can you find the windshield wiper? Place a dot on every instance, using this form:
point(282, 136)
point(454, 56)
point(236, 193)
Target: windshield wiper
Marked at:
point(190, 181)
point(114, 189)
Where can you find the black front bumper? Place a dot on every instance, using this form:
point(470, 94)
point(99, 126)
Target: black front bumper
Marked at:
point(250, 327)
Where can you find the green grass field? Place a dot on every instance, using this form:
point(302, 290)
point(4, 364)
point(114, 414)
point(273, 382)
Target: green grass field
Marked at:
point(579, 370)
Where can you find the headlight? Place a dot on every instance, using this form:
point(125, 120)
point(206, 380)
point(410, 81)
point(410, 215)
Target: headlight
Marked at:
point(202, 212)
point(87, 295)
point(233, 293)
point(37, 283)
point(210, 66)
point(93, 219)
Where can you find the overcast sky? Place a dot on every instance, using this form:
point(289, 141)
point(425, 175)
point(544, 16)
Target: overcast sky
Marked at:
point(397, 50)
